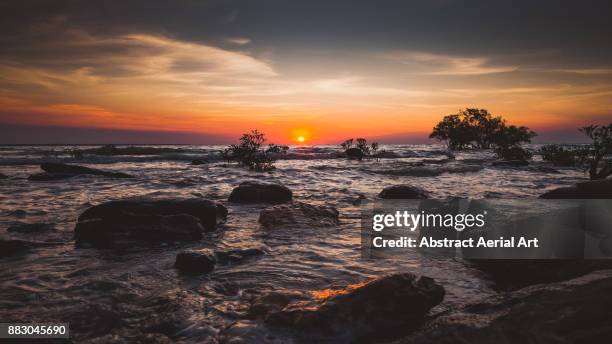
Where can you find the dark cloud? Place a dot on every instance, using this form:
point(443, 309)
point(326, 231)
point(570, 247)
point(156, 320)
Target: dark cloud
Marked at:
point(468, 27)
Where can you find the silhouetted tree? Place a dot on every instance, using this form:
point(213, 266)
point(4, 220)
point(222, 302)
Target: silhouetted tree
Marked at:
point(248, 152)
point(361, 149)
point(600, 148)
point(477, 128)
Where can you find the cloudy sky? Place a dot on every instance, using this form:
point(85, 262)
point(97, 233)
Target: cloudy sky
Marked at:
point(206, 71)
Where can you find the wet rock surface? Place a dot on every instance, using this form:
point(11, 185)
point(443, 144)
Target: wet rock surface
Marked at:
point(510, 163)
point(299, 214)
point(139, 221)
point(199, 162)
point(196, 261)
point(575, 311)
point(58, 171)
point(403, 192)
point(512, 274)
point(10, 247)
point(382, 308)
point(236, 256)
point(256, 192)
point(419, 170)
point(3, 176)
point(596, 189)
point(22, 227)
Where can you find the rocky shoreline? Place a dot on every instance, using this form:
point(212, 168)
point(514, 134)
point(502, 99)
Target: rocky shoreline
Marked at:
point(398, 305)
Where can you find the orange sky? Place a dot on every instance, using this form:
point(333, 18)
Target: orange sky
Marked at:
point(158, 83)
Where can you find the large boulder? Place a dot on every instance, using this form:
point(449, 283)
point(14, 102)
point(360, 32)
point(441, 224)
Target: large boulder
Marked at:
point(139, 221)
point(403, 192)
point(56, 171)
point(575, 311)
point(256, 192)
point(383, 308)
point(596, 189)
point(196, 261)
point(299, 214)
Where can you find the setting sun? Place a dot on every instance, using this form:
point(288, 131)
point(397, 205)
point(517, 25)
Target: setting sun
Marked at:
point(301, 139)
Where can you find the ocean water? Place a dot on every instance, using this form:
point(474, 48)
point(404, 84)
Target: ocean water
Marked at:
point(127, 293)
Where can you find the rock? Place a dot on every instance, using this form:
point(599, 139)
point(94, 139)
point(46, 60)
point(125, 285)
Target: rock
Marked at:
point(199, 162)
point(420, 171)
point(237, 255)
point(512, 274)
point(45, 177)
point(256, 192)
point(273, 302)
point(386, 155)
point(595, 189)
point(3, 176)
point(111, 150)
point(354, 153)
point(195, 261)
point(22, 227)
point(57, 171)
point(510, 163)
point(19, 213)
point(575, 311)
point(543, 169)
point(50, 167)
point(298, 214)
point(381, 309)
point(9, 247)
point(137, 221)
point(403, 192)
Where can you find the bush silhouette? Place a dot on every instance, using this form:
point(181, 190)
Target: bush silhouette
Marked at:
point(360, 150)
point(249, 152)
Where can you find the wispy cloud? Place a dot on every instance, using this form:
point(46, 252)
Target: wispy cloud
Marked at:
point(587, 71)
point(238, 40)
point(436, 64)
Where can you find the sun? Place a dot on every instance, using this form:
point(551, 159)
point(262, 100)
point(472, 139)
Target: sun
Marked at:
point(301, 139)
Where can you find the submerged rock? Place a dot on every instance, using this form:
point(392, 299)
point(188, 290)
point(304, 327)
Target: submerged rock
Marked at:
point(354, 153)
point(237, 255)
point(386, 155)
point(9, 247)
point(403, 192)
point(256, 192)
point(510, 163)
point(21, 227)
point(422, 171)
point(543, 169)
point(299, 214)
point(45, 177)
point(596, 189)
point(138, 221)
point(196, 261)
point(575, 311)
point(199, 162)
point(57, 171)
point(380, 309)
